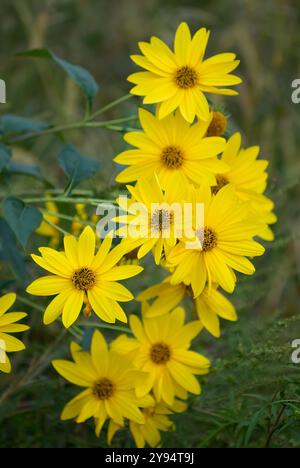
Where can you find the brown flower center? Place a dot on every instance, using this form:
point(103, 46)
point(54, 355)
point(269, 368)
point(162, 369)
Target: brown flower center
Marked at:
point(217, 126)
point(186, 77)
point(161, 220)
point(103, 389)
point(172, 157)
point(84, 279)
point(160, 353)
point(221, 182)
point(208, 238)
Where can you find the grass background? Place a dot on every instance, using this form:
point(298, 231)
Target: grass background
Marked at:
point(252, 396)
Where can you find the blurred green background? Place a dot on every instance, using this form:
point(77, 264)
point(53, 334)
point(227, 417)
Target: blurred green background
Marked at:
point(252, 396)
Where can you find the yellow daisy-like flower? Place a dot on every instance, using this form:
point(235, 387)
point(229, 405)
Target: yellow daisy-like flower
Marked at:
point(8, 343)
point(175, 150)
point(220, 246)
point(156, 420)
point(154, 219)
point(109, 382)
point(79, 276)
point(248, 175)
point(246, 172)
point(161, 350)
point(179, 79)
point(218, 124)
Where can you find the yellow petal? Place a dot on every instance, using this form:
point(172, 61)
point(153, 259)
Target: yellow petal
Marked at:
point(182, 43)
point(72, 308)
point(56, 306)
point(11, 344)
point(72, 372)
point(184, 377)
point(86, 246)
point(48, 285)
point(6, 302)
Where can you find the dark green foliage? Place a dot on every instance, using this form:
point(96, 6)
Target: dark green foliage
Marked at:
point(76, 166)
point(22, 219)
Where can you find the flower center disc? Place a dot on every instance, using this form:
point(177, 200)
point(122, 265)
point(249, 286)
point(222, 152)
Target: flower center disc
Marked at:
point(217, 126)
point(221, 182)
point(186, 77)
point(172, 157)
point(103, 389)
point(208, 238)
point(160, 353)
point(84, 279)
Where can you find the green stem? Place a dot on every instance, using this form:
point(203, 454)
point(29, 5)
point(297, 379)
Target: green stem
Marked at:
point(58, 228)
point(107, 327)
point(30, 303)
point(67, 217)
point(110, 122)
point(72, 126)
point(76, 192)
point(74, 330)
point(111, 105)
point(87, 201)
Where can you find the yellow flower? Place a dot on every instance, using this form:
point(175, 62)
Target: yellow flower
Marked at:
point(156, 420)
point(245, 171)
point(218, 125)
point(180, 79)
point(8, 343)
point(161, 350)
point(109, 382)
point(221, 244)
point(79, 276)
point(154, 219)
point(209, 306)
point(176, 151)
point(248, 175)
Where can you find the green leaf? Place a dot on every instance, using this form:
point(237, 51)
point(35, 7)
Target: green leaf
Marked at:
point(7, 166)
point(22, 219)
point(10, 252)
point(24, 169)
point(5, 155)
point(15, 124)
point(76, 166)
point(80, 75)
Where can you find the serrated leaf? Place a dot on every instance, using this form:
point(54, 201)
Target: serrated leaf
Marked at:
point(76, 166)
point(22, 219)
point(10, 252)
point(80, 75)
